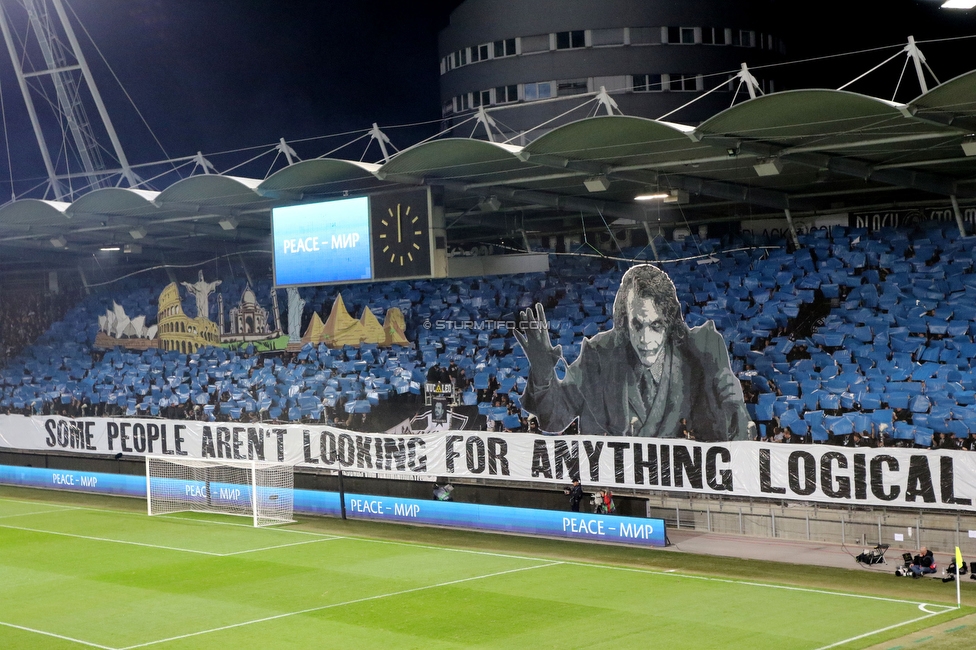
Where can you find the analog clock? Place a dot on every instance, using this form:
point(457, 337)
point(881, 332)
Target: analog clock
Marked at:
point(400, 233)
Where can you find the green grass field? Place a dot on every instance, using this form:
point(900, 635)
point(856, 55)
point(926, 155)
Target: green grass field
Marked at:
point(79, 571)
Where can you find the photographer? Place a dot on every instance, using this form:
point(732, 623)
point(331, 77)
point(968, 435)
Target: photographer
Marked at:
point(575, 492)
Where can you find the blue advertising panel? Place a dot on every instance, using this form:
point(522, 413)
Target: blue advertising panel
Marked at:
point(449, 514)
point(318, 243)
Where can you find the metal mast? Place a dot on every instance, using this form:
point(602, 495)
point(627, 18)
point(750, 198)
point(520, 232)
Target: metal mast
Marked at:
point(63, 68)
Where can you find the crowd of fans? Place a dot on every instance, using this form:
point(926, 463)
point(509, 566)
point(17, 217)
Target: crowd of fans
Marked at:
point(856, 339)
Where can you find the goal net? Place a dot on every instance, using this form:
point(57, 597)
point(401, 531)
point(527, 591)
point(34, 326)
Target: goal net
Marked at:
point(260, 490)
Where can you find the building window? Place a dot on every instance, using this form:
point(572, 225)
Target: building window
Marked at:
point(506, 94)
point(606, 37)
point(541, 90)
point(537, 43)
point(460, 58)
point(570, 40)
point(479, 53)
point(645, 35)
point(504, 48)
point(481, 98)
point(572, 87)
point(744, 38)
point(683, 35)
point(462, 103)
point(647, 83)
point(680, 81)
point(714, 36)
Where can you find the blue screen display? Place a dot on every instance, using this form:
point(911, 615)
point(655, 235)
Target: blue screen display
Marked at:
point(319, 243)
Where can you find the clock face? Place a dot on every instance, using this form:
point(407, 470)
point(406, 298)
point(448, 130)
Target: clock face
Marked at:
point(400, 232)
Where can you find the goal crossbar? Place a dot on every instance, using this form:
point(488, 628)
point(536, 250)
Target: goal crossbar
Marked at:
point(260, 490)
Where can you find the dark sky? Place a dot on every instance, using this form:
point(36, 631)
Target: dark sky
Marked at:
point(215, 75)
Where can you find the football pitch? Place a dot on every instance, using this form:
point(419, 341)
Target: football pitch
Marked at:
point(77, 573)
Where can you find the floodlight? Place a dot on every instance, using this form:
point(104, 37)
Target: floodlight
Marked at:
point(770, 167)
point(228, 223)
point(137, 233)
point(652, 197)
point(959, 4)
point(59, 242)
point(110, 248)
point(969, 146)
point(491, 204)
point(597, 184)
point(677, 196)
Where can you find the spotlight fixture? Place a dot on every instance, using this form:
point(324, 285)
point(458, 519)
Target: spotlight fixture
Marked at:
point(969, 144)
point(597, 184)
point(228, 223)
point(732, 152)
point(959, 4)
point(677, 196)
point(132, 248)
point(491, 204)
point(770, 167)
point(110, 248)
point(137, 233)
point(59, 242)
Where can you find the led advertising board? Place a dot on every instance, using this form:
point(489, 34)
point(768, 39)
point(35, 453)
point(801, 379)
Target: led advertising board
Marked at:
point(320, 243)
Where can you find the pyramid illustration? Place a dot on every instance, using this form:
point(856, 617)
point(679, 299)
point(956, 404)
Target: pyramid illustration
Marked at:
point(340, 328)
point(394, 328)
point(372, 330)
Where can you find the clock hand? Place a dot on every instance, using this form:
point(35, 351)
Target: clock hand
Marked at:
point(399, 227)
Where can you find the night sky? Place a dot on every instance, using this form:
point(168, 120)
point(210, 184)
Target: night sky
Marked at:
point(217, 75)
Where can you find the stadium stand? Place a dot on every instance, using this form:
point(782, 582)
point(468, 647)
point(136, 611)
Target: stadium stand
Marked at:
point(856, 338)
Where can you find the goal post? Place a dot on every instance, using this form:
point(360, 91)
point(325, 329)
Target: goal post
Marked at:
point(260, 490)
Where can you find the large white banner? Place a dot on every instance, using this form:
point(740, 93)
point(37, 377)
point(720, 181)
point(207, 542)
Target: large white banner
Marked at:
point(827, 474)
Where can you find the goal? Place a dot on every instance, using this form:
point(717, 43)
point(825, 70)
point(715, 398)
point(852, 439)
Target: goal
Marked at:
point(260, 490)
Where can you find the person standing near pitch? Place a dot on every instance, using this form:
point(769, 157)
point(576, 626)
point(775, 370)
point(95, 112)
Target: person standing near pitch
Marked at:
point(650, 375)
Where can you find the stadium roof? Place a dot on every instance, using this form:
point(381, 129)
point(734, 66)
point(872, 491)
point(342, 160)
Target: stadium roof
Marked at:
point(808, 151)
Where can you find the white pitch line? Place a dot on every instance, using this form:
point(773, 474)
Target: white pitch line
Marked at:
point(268, 548)
point(884, 629)
point(56, 636)
point(334, 605)
point(115, 541)
point(35, 512)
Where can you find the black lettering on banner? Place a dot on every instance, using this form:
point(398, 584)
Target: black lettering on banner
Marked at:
point(139, 437)
point(280, 435)
point(843, 490)
point(52, 434)
point(947, 483)
point(474, 452)
point(327, 448)
point(395, 453)
point(765, 476)
point(689, 465)
point(113, 434)
point(162, 439)
point(877, 477)
point(540, 459)
point(860, 477)
point(450, 454)
point(178, 439)
point(363, 458)
point(665, 452)
point(498, 457)
point(89, 435)
point(152, 434)
point(919, 480)
point(63, 438)
point(307, 447)
point(640, 465)
point(237, 441)
point(725, 475)
point(808, 474)
point(416, 460)
point(255, 443)
point(207, 444)
point(593, 451)
point(566, 454)
point(223, 442)
point(618, 459)
point(124, 436)
point(346, 450)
